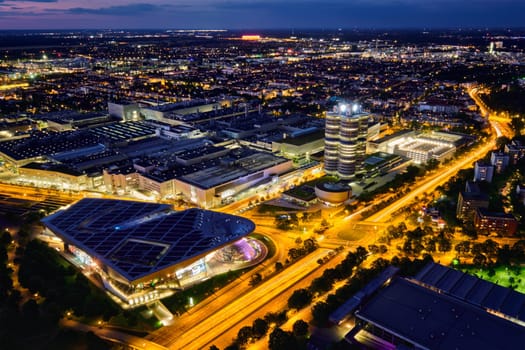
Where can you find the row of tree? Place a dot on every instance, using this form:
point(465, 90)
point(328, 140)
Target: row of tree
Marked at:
point(322, 310)
point(280, 339)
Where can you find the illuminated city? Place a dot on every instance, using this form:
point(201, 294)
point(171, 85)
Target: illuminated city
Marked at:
point(273, 189)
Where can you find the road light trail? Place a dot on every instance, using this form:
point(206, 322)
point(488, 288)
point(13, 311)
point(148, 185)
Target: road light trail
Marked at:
point(229, 315)
point(438, 179)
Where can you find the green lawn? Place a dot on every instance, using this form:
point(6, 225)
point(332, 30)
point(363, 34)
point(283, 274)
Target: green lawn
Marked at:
point(509, 277)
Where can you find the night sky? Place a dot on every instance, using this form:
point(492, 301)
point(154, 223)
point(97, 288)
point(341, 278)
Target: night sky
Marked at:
point(267, 14)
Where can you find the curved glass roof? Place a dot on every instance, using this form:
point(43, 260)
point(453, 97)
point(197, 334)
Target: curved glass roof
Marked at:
point(136, 239)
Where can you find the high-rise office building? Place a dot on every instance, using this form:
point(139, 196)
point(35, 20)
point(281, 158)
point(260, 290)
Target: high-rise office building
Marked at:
point(345, 141)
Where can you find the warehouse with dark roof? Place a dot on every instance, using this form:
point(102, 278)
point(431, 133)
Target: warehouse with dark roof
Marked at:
point(441, 308)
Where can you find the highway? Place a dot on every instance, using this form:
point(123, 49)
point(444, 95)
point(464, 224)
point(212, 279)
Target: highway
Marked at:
point(280, 302)
point(197, 335)
point(429, 183)
point(222, 297)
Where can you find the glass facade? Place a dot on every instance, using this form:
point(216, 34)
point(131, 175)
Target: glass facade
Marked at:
point(345, 142)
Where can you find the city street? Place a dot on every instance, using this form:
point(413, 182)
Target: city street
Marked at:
point(211, 326)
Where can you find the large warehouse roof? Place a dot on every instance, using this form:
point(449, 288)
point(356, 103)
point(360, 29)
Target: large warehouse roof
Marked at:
point(137, 239)
point(437, 321)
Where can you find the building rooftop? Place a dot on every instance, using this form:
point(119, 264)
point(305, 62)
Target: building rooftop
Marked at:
point(48, 166)
point(475, 196)
point(235, 169)
point(493, 214)
point(438, 321)
point(124, 131)
point(41, 143)
point(474, 290)
point(398, 134)
point(137, 239)
point(306, 138)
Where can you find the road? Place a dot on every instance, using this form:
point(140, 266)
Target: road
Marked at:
point(429, 183)
point(278, 303)
point(112, 335)
point(37, 194)
point(197, 335)
point(224, 296)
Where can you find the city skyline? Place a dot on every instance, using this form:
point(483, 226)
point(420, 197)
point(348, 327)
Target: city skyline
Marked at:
point(218, 190)
point(219, 14)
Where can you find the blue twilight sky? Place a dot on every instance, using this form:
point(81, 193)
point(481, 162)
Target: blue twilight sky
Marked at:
point(245, 14)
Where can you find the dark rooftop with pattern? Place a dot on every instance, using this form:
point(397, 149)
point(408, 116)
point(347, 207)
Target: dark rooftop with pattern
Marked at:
point(137, 239)
point(438, 321)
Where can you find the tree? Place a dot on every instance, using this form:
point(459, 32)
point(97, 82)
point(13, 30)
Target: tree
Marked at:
point(259, 328)
point(294, 221)
point(277, 318)
point(320, 313)
point(502, 141)
point(321, 284)
point(518, 250)
point(294, 253)
point(282, 222)
point(6, 239)
point(430, 244)
point(310, 244)
point(432, 164)
point(361, 254)
point(281, 340)
point(300, 328)
point(517, 124)
point(490, 248)
point(299, 299)
point(444, 243)
point(479, 260)
point(30, 311)
point(373, 249)
point(244, 335)
point(463, 247)
point(305, 217)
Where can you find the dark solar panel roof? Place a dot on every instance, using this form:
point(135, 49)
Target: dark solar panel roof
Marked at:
point(136, 238)
point(474, 290)
point(437, 321)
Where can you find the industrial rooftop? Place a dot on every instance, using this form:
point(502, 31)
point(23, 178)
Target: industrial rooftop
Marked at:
point(437, 321)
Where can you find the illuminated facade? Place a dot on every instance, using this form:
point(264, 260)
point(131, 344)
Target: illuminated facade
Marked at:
point(345, 141)
point(502, 224)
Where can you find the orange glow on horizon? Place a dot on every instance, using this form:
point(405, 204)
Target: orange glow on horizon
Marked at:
point(251, 37)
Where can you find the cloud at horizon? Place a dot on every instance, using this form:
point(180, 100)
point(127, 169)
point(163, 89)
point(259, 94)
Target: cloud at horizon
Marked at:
point(239, 14)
